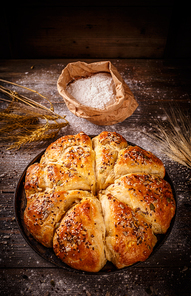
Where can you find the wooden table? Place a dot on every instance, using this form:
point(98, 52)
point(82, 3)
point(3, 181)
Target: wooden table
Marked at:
point(155, 84)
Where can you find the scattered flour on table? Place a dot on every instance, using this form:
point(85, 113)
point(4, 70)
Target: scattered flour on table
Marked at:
point(96, 91)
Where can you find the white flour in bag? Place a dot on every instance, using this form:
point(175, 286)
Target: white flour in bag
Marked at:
point(96, 91)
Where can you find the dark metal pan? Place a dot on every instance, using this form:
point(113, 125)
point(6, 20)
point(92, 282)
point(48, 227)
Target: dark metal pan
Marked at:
point(48, 253)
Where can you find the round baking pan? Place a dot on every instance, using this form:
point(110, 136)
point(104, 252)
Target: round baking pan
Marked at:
point(48, 253)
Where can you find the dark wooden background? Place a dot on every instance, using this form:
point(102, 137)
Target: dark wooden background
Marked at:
point(95, 29)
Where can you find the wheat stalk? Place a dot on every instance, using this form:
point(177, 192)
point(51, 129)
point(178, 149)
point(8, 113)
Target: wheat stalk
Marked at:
point(34, 91)
point(36, 135)
point(174, 138)
point(19, 109)
point(20, 121)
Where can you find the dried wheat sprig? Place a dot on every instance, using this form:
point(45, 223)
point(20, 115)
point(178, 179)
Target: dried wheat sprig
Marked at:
point(16, 109)
point(20, 120)
point(15, 96)
point(23, 99)
point(18, 123)
point(22, 134)
point(36, 135)
point(34, 91)
point(41, 134)
point(12, 116)
point(174, 138)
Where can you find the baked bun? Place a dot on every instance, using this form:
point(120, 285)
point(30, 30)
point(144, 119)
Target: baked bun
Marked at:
point(97, 200)
point(129, 237)
point(33, 178)
point(70, 163)
point(79, 241)
point(134, 159)
point(45, 210)
point(107, 146)
point(149, 194)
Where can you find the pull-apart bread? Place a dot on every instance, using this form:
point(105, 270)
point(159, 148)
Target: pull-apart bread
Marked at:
point(99, 199)
point(129, 237)
point(107, 146)
point(148, 194)
point(79, 241)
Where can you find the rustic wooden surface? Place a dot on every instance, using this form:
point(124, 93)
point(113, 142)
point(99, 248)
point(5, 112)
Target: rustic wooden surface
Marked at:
point(155, 84)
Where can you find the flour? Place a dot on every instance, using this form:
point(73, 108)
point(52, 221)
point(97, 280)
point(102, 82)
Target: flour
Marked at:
point(96, 91)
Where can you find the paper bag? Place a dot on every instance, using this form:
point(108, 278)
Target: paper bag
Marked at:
point(125, 103)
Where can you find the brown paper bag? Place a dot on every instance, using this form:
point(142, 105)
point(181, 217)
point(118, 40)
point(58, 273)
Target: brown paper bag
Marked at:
point(125, 103)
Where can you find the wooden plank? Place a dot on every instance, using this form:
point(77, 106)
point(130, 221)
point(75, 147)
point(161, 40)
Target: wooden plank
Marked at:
point(153, 79)
point(82, 32)
point(155, 83)
point(148, 281)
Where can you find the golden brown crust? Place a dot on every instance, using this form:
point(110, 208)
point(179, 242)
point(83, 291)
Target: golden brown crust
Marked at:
point(106, 146)
point(79, 241)
point(64, 166)
point(129, 237)
point(112, 139)
point(150, 194)
point(55, 151)
point(44, 211)
point(58, 176)
point(34, 179)
point(42, 214)
point(134, 159)
point(62, 211)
